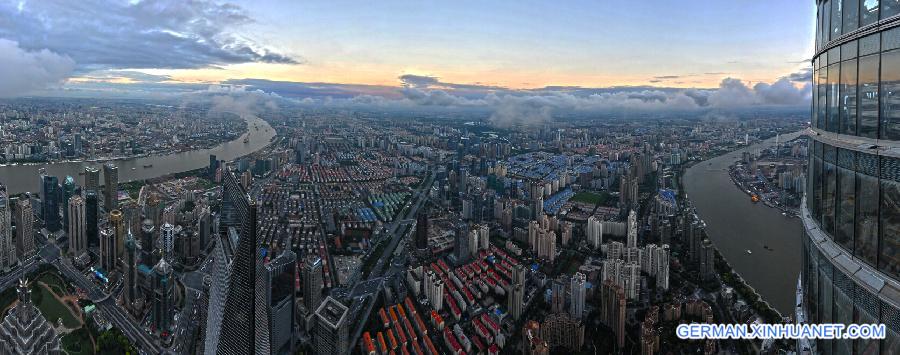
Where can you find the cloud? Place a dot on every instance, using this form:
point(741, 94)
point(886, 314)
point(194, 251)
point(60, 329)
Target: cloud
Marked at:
point(803, 75)
point(24, 71)
point(106, 34)
point(425, 81)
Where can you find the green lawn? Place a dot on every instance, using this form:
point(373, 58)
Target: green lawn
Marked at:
point(55, 283)
point(590, 197)
point(78, 342)
point(51, 308)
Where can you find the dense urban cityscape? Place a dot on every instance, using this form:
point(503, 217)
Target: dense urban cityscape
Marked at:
point(176, 178)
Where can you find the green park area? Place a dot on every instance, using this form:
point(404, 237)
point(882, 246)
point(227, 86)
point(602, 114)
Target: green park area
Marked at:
point(590, 198)
point(51, 307)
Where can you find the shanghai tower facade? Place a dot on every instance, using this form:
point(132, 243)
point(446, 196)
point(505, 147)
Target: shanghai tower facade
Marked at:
point(851, 215)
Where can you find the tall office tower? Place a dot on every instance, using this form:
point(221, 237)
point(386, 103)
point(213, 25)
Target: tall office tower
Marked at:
point(514, 301)
point(332, 332)
point(24, 216)
point(277, 287)
point(695, 239)
point(129, 271)
point(167, 241)
point(117, 223)
point(7, 247)
point(92, 179)
point(76, 231)
point(239, 327)
point(537, 206)
point(69, 189)
point(578, 291)
point(313, 282)
point(213, 166)
point(632, 230)
point(24, 330)
point(147, 242)
point(204, 226)
point(662, 267)
point(707, 261)
point(110, 187)
point(850, 261)
point(153, 209)
point(131, 216)
point(558, 293)
point(422, 231)
point(108, 250)
point(163, 296)
point(91, 218)
point(50, 198)
point(612, 312)
point(461, 248)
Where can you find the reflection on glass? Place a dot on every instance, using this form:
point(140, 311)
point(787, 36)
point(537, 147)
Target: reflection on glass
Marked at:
point(833, 98)
point(868, 12)
point(851, 15)
point(866, 241)
point(868, 96)
point(845, 208)
point(828, 194)
point(889, 8)
point(890, 95)
point(848, 97)
point(889, 261)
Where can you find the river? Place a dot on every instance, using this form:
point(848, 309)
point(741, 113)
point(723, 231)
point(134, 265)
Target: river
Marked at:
point(22, 178)
point(735, 225)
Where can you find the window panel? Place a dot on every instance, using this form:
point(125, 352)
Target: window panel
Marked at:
point(829, 187)
point(870, 44)
point(846, 209)
point(817, 188)
point(835, 18)
point(826, 22)
point(833, 99)
point(848, 97)
point(890, 95)
point(868, 96)
point(889, 8)
point(866, 236)
point(849, 49)
point(815, 101)
point(823, 107)
point(889, 260)
point(851, 15)
point(868, 12)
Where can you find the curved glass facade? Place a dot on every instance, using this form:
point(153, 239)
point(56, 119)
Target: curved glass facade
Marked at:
point(851, 248)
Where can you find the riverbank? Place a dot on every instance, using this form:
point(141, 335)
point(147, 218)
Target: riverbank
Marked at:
point(25, 178)
point(735, 225)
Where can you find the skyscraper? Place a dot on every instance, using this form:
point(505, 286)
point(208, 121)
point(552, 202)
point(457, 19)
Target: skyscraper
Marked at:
point(167, 243)
point(163, 296)
point(422, 231)
point(24, 330)
point(24, 216)
point(612, 312)
point(92, 179)
point(91, 218)
point(631, 242)
point(50, 202)
point(69, 189)
point(117, 223)
point(576, 307)
point(148, 242)
point(108, 250)
point(77, 235)
point(332, 332)
point(594, 232)
point(850, 261)
point(313, 282)
point(7, 248)
point(239, 326)
point(110, 186)
point(278, 289)
point(129, 271)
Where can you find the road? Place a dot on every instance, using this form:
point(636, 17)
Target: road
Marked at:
point(364, 302)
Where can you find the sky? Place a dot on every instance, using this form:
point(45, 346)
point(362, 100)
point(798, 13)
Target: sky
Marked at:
point(401, 50)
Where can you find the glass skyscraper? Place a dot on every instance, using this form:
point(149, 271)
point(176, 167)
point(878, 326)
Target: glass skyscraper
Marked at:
point(851, 247)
